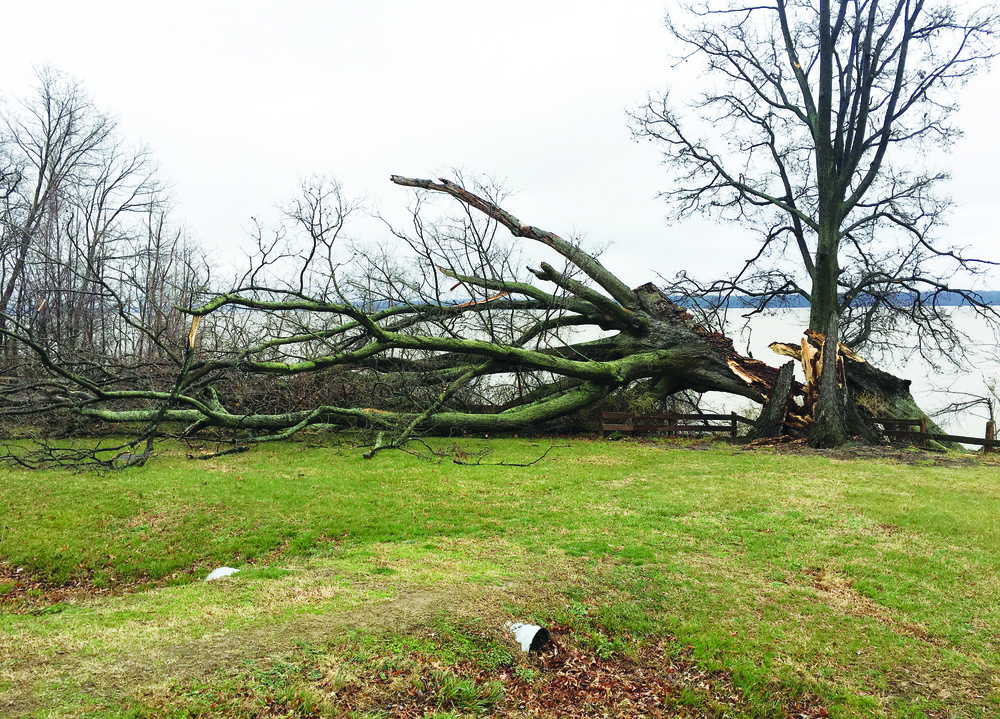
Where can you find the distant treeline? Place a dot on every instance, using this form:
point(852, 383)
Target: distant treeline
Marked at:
point(734, 301)
point(943, 299)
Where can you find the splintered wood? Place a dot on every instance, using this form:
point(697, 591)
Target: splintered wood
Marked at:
point(809, 354)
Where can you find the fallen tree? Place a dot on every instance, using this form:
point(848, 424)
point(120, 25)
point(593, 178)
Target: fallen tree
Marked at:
point(504, 355)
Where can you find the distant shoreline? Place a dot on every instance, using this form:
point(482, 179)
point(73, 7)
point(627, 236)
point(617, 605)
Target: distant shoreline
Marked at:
point(943, 299)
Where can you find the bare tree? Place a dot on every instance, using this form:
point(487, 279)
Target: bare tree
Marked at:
point(822, 115)
point(51, 141)
point(77, 196)
point(92, 270)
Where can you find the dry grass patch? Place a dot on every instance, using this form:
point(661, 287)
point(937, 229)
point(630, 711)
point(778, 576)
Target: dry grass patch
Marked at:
point(838, 592)
point(602, 460)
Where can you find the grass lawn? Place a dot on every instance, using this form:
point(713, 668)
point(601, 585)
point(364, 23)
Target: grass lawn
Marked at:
point(677, 579)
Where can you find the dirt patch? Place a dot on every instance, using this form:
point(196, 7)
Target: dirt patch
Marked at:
point(958, 693)
point(838, 592)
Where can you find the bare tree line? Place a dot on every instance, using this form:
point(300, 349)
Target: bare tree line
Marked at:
point(92, 268)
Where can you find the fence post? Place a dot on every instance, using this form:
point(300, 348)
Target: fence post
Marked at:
point(732, 424)
point(990, 434)
point(923, 431)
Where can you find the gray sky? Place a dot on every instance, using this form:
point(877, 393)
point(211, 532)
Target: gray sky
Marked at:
point(238, 100)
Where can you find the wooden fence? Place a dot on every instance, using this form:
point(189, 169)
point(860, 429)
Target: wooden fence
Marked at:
point(894, 429)
point(672, 423)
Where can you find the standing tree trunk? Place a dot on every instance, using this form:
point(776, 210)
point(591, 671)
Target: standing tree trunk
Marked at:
point(829, 429)
point(818, 122)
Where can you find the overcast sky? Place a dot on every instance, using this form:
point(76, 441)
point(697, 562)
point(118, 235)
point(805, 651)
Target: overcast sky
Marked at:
point(238, 100)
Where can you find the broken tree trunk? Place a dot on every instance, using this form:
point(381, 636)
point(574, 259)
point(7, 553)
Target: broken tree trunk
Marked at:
point(772, 421)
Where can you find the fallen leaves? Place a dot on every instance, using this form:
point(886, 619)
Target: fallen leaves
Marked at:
point(659, 678)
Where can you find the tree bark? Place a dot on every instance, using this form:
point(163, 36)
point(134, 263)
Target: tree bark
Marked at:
point(829, 429)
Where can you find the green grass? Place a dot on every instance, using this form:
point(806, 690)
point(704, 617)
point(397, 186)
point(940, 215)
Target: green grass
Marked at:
point(865, 588)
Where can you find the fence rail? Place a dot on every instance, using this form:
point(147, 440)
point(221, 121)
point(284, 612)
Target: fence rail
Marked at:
point(921, 435)
point(672, 423)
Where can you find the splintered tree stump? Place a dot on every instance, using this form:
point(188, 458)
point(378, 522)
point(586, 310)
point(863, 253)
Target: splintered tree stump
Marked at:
point(771, 422)
point(866, 391)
